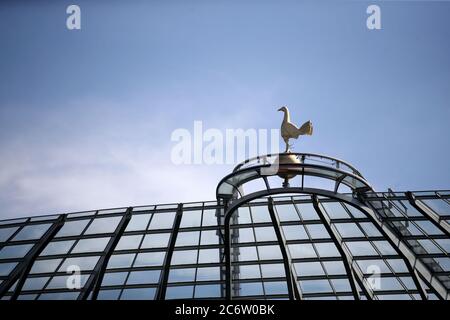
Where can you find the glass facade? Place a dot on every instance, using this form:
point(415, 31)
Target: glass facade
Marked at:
point(286, 243)
point(177, 252)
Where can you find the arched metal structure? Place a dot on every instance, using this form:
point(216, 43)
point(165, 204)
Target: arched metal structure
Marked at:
point(229, 194)
point(204, 250)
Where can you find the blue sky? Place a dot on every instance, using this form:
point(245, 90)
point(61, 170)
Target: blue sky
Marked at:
point(86, 116)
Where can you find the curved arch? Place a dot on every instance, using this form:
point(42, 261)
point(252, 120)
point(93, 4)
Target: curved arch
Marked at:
point(252, 173)
point(403, 252)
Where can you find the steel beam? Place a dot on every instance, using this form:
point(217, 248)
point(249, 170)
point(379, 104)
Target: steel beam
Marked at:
point(347, 257)
point(162, 287)
point(94, 281)
point(441, 224)
point(291, 278)
point(20, 273)
point(411, 260)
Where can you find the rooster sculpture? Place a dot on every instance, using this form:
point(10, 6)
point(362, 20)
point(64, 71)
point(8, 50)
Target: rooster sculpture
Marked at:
point(290, 130)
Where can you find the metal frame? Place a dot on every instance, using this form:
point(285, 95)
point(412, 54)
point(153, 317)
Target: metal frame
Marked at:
point(432, 216)
point(162, 287)
point(21, 271)
point(291, 279)
point(412, 263)
point(94, 281)
point(346, 256)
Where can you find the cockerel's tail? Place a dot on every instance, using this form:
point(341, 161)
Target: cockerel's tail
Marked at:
point(306, 128)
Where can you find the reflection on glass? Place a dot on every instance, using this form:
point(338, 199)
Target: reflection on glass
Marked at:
point(5, 233)
point(19, 251)
point(144, 277)
point(138, 294)
point(31, 232)
point(57, 247)
point(91, 245)
point(156, 240)
point(72, 228)
point(103, 225)
point(114, 278)
point(43, 266)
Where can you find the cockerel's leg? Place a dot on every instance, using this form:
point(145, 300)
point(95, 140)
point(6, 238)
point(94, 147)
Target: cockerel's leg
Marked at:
point(286, 141)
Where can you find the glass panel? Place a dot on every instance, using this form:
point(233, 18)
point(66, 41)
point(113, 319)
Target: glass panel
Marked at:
point(294, 232)
point(207, 291)
point(57, 247)
point(138, 222)
point(269, 252)
point(309, 269)
point(5, 233)
point(246, 235)
point(209, 218)
point(373, 266)
point(260, 214)
point(91, 245)
point(315, 286)
point(265, 234)
point(385, 248)
point(114, 278)
point(120, 261)
point(129, 242)
point(209, 237)
point(307, 211)
point(11, 252)
point(108, 295)
point(138, 294)
point(287, 212)
point(208, 273)
point(272, 270)
point(190, 219)
point(44, 266)
point(429, 227)
point(249, 272)
point(59, 296)
point(327, 250)
point(370, 229)
point(317, 231)
point(35, 283)
point(60, 282)
point(103, 225)
point(156, 240)
point(348, 230)
point(247, 253)
point(72, 228)
point(439, 206)
point(251, 289)
point(302, 251)
point(361, 248)
point(144, 277)
point(182, 275)
point(334, 267)
point(187, 238)
point(184, 257)
point(278, 287)
point(162, 221)
point(341, 285)
point(84, 263)
point(208, 256)
point(335, 210)
point(243, 215)
point(149, 259)
point(6, 268)
point(180, 292)
point(31, 232)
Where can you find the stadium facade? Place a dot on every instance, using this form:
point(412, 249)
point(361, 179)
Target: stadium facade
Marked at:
point(312, 229)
